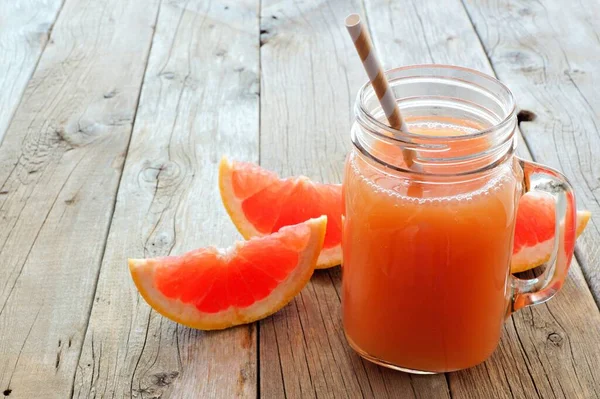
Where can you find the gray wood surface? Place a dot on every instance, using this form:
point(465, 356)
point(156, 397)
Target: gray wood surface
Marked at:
point(25, 26)
point(269, 81)
point(199, 101)
point(60, 164)
point(310, 76)
point(522, 366)
point(452, 41)
point(549, 53)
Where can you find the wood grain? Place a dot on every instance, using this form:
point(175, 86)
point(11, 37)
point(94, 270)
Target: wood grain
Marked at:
point(25, 26)
point(199, 101)
point(540, 344)
point(549, 55)
point(63, 154)
point(310, 75)
point(60, 164)
point(543, 349)
point(300, 346)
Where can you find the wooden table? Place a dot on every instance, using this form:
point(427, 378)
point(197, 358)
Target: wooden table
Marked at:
point(114, 115)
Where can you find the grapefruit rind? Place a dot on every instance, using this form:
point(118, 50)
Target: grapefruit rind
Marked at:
point(142, 271)
point(525, 259)
point(232, 204)
point(329, 257)
point(530, 257)
point(583, 217)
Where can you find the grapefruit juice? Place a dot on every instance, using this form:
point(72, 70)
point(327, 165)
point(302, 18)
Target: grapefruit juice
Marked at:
point(425, 276)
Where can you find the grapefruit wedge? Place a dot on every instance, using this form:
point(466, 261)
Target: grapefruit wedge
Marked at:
point(212, 288)
point(534, 231)
point(260, 203)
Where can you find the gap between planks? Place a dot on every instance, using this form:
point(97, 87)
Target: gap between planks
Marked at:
point(112, 211)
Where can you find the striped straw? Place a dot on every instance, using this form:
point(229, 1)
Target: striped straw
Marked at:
point(364, 47)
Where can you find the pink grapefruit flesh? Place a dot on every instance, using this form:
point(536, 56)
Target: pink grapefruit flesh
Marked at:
point(260, 203)
point(535, 229)
point(211, 288)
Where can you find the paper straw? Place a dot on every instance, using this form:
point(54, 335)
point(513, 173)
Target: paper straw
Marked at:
point(364, 47)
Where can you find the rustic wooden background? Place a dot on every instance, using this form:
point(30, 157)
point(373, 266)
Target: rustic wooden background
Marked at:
point(114, 115)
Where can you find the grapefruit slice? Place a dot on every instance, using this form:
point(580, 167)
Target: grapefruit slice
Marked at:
point(212, 288)
point(260, 203)
point(534, 231)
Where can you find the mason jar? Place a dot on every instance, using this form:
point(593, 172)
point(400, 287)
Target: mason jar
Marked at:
point(428, 238)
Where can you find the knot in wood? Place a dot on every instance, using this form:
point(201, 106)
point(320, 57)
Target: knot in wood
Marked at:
point(555, 339)
point(518, 57)
point(160, 171)
point(526, 116)
point(164, 379)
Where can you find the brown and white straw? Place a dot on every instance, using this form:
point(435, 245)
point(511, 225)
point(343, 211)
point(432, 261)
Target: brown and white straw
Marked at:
point(364, 47)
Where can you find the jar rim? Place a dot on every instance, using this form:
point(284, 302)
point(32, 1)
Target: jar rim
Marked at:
point(405, 136)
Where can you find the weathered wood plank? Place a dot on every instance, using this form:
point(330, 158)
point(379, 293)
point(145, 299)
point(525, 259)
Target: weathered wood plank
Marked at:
point(546, 351)
point(534, 348)
point(199, 101)
point(60, 164)
point(549, 55)
point(543, 349)
point(310, 75)
point(25, 26)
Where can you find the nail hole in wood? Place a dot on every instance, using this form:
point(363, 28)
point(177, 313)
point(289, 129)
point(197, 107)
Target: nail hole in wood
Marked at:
point(525, 116)
point(7, 392)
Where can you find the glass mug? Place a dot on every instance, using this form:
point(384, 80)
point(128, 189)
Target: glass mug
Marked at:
point(426, 256)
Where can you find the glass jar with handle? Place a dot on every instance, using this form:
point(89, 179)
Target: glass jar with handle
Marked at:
point(426, 273)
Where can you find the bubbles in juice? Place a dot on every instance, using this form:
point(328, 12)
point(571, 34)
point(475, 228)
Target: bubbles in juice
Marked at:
point(387, 184)
point(443, 129)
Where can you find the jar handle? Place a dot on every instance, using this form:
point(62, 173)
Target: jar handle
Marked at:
point(526, 292)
